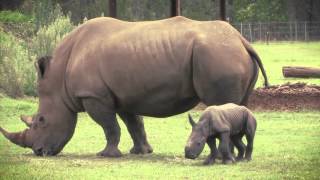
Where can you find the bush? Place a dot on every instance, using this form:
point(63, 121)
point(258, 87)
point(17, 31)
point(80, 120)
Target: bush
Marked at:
point(48, 37)
point(45, 13)
point(18, 75)
point(14, 17)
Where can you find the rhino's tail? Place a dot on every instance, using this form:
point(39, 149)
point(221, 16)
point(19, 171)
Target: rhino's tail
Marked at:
point(257, 59)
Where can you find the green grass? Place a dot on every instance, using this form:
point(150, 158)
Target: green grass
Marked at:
point(286, 147)
point(277, 55)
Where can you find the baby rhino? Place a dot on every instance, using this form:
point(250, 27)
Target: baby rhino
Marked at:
point(226, 122)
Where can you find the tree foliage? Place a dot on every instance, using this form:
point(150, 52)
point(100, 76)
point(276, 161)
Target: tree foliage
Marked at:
point(259, 10)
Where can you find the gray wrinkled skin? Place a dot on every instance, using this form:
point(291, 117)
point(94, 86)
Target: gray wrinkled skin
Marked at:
point(152, 68)
point(228, 123)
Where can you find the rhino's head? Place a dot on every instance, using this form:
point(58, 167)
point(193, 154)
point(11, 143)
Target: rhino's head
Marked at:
point(197, 138)
point(54, 123)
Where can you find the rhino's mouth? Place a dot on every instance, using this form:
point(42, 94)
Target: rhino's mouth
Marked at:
point(190, 154)
point(40, 151)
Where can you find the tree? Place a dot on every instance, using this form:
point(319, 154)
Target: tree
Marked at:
point(308, 10)
point(259, 10)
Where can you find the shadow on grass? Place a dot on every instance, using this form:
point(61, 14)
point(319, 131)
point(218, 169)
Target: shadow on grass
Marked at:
point(164, 158)
point(90, 158)
point(126, 158)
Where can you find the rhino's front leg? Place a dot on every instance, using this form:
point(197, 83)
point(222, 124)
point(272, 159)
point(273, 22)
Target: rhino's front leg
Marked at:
point(135, 127)
point(224, 148)
point(214, 151)
point(107, 120)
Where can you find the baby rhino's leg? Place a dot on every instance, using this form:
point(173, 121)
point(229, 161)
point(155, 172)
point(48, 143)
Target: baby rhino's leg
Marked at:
point(214, 151)
point(224, 148)
point(250, 132)
point(237, 141)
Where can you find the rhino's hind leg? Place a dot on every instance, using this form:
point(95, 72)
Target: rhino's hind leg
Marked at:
point(237, 140)
point(250, 133)
point(249, 148)
point(107, 120)
point(135, 127)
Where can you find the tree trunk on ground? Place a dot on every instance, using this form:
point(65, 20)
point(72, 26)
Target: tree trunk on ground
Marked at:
point(301, 72)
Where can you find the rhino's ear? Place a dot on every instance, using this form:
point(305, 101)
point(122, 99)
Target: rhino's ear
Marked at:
point(42, 64)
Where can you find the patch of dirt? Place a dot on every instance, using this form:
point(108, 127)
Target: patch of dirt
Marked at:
point(286, 97)
point(294, 97)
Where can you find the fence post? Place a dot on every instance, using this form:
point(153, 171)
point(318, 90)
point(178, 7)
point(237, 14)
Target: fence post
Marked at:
point(113, 8)
point(175, 8)
point(260, 39)
point(290, 29)
point(305, 31)
point(296, 31)
point(241, 28)
point(250, 32)
point(223, 10)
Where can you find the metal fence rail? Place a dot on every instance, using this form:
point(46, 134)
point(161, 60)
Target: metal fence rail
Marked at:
point(280, 31)
point(256, 31)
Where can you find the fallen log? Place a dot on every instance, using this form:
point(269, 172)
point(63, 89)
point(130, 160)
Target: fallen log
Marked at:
point(300, 72)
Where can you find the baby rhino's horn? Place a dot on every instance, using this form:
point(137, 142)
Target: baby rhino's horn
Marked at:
point(191, 121)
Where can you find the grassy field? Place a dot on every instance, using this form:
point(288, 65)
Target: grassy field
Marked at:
point(277, 55)
point(286, 145)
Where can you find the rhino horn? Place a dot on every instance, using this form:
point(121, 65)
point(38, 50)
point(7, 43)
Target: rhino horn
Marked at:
point(17, 138)
point(27, 120)
point(191, 121)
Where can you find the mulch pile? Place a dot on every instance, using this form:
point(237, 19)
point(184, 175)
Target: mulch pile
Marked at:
point(286, 97)
point(294, 97)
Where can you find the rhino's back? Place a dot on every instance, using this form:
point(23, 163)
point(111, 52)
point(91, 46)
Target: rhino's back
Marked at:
point(230, 114)
point(144, 64)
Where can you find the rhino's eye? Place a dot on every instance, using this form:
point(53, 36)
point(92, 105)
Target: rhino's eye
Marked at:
point(41, 119)
point(198, 143)
point(41, 122)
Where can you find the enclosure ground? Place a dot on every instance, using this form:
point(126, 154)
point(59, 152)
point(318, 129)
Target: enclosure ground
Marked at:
point(297, 96)
point(286, 97)
point(286, 147)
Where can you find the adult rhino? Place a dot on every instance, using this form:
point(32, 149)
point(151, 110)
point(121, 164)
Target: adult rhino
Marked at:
point(152, 68)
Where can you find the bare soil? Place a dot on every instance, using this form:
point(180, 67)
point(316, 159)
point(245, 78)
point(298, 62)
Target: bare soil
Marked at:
point(286, 97)
point(296, 96)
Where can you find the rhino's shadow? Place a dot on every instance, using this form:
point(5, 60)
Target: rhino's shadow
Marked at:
point(152, 158)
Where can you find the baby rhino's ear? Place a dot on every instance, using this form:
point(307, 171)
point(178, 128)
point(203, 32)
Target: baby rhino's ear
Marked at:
point(191, 121)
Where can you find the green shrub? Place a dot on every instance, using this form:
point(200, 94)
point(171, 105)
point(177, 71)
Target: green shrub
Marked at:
point(45, 13)
point(14, 17)
point(17, 77)
point(48, 37)
point(17, 57)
